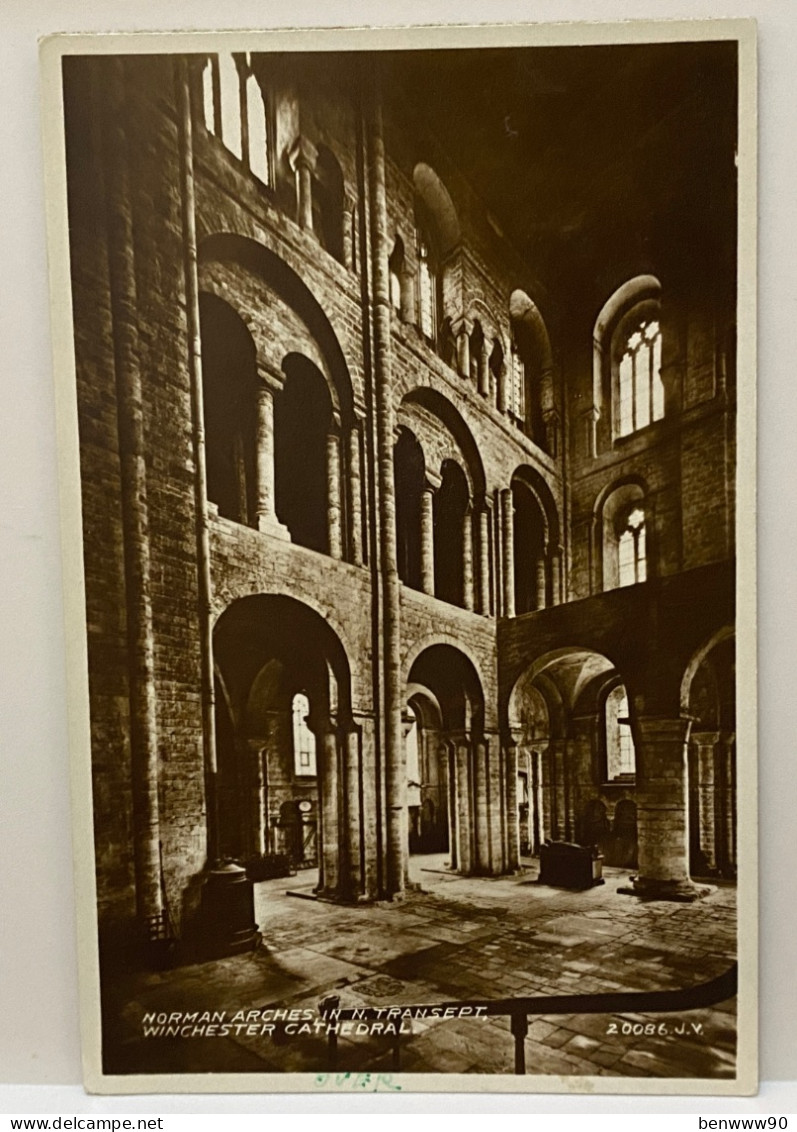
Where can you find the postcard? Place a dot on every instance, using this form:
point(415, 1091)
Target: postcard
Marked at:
point(409, 546)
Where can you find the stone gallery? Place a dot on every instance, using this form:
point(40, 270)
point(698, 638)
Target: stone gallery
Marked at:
point(407, 387)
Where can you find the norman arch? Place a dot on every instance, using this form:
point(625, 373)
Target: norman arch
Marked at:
point(439, 478)
point(627, 361)
point(708, 699)
point(536, 551)
point(531, 399)
point(300, 470)
point(271, 654)
point(623, 535)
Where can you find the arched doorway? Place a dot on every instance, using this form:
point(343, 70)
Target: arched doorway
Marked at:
point(427, 774)
point(708, 696)
point(284, 738)
point(569, 714)
point(459, 782)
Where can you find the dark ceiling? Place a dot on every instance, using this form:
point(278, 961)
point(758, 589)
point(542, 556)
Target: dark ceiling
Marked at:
point(594, 160)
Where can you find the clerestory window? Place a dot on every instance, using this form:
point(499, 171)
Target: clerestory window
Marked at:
point(234, 109)
point(639, 385)
point(631, 550)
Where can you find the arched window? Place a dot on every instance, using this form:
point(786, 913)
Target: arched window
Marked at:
point(624, 528)
point(210, 94)
point(396, 268)
point(640, 389)
point(304, 760)
point(620, 755)
point(230, 96)
point(427, 288)
point(234, 109)
point(257, 130)
point(631, 551)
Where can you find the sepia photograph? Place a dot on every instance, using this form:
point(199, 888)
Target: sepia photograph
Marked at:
point(405, 500)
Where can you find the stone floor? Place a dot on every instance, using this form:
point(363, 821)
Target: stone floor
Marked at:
point(458, 938)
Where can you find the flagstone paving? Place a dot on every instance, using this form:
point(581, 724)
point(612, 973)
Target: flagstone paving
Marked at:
point(455, 939)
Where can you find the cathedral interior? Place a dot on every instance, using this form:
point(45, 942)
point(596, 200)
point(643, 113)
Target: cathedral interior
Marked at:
point(406, 394)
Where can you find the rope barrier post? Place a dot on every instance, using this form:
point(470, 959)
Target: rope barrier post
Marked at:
point(520, 1028)
point(325, 1007)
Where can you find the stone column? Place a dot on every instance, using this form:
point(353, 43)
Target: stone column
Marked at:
point(427, 539)
point(329, 872)
point(727, 797)
point(302, 158)
point(351, 791)
point(144, 737)
point(536, 831)
point(508, 547)
point(467, 559)
point(264, 459)
point(259, 799)
point(546, 792)
point(662, 811)
point(333, 496)
point(501, 398)
point(482, 838)
point(510, 786)
point(463, 350)
point(495, 804)
point(349, 213)
point(541, 581)
point(449, 752)
point(555, 558)
point(484, 369)
point(705, 743)
point(355, 496)
point(484, 561)
point(464, 823)
point(266, 519)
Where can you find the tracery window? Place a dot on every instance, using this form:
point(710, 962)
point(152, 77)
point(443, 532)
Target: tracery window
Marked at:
point(620, 753)
point(234, 109)
point(304, 754)
point(631, 550)
point(640, 388)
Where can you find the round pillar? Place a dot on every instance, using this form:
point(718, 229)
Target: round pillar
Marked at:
point(662, 811)
point(427, 540)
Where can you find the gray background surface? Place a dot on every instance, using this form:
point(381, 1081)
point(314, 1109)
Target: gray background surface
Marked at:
point(38, 987)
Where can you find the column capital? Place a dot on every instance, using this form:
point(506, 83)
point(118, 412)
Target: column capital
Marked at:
point(302, 154)
point(461, 325)
point(658, 729)
point(270, 375)
point(512, 735)
point(431, 481)
point(704, 738)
